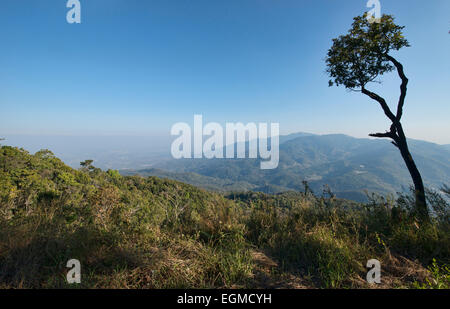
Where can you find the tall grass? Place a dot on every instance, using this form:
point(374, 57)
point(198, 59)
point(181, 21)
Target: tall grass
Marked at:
point(135, 232)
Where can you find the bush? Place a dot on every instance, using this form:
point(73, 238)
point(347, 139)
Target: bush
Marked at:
point(135, 232)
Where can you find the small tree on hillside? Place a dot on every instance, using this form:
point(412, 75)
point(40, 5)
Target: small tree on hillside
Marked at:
point(87, 165)
point(359, 58)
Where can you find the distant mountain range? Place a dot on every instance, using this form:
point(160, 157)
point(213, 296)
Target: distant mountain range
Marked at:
point(349, 166)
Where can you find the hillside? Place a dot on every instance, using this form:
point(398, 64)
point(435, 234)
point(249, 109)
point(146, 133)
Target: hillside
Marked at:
point(135, 232)
point(205, 182)
point(349, 166)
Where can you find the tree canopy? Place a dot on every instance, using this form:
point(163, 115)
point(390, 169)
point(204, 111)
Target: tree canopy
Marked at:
point(362, 55)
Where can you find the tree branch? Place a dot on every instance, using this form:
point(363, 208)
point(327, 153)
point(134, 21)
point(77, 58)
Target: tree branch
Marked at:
point(381, 135)
point(382, 102)
point(403, 86)
point(390, 134)
point(395, 144)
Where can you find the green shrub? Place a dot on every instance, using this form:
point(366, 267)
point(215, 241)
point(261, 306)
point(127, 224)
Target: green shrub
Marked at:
point(135, 232)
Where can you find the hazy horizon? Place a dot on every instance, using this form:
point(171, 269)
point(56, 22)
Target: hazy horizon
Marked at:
point(110, 151)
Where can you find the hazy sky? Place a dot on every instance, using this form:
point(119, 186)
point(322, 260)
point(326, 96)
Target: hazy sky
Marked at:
point(137, 67)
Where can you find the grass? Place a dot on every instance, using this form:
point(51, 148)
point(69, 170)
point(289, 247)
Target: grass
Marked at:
point(135, 232)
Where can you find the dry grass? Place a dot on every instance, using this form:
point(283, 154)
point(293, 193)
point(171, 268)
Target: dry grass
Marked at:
point(137, 233)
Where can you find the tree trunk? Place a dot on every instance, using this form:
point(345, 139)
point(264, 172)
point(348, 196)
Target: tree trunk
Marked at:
point(397, 134)
point(419, 189)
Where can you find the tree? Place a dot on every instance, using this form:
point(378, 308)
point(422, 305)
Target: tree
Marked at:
point(87, 165)
point(359, 58)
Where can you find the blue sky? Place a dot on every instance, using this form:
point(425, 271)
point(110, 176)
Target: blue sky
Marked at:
point(137, 67)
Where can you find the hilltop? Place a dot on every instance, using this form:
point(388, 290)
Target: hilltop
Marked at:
point(147, 232)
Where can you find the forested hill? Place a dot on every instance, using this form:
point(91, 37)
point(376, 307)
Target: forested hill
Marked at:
point(349, 166)
point(136, 232)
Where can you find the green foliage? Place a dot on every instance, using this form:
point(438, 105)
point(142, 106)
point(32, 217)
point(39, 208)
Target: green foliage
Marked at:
point(113, 174)
point(359, 57)
point(330, 240)
point(117, 226)
point(440, 277)
point(86, 163)
point(439, 205)
point(135, 232)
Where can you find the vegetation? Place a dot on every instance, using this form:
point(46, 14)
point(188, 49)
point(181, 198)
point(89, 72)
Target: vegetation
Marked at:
point(361, 57)
point(136, 232)
point(349, 165)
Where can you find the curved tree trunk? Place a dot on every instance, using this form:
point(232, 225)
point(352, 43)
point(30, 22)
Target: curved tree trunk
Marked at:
point(419, 189)
point(397, 134)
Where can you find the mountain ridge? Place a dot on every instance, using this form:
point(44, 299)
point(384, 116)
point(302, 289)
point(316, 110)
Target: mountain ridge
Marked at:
point(349, 166)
